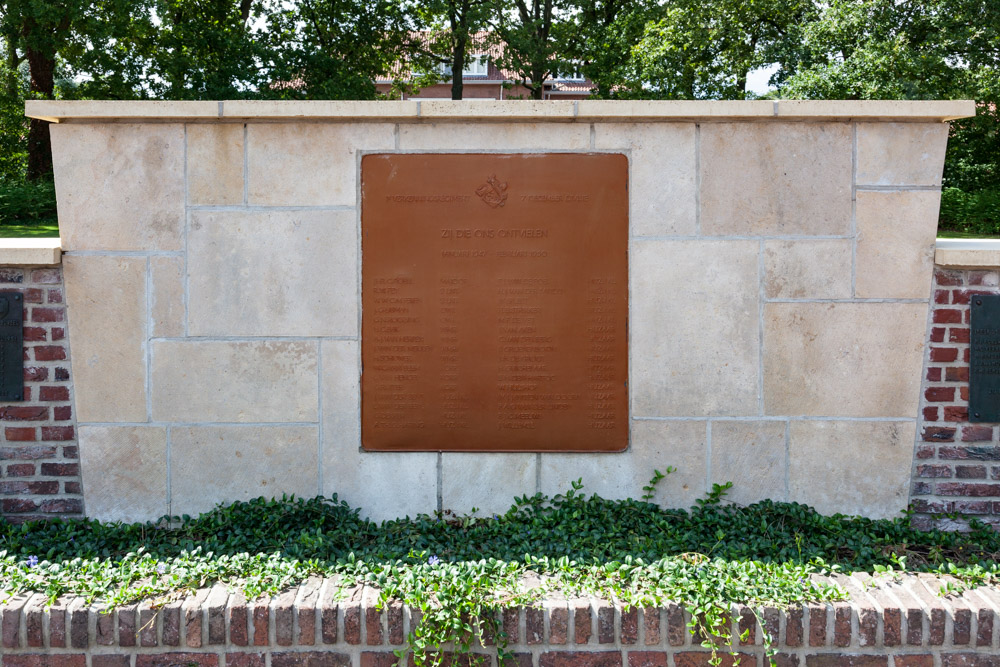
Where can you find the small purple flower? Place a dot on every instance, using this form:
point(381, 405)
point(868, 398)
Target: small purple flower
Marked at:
point(32, 561)
point(433, 560)
point(161, 568)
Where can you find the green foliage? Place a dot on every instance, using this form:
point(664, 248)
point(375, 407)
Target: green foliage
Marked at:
point(460, 571)
point(975, 212)
point(650, 488)
point(26, 201)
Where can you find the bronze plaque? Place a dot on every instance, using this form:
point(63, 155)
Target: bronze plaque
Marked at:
point(494, 294)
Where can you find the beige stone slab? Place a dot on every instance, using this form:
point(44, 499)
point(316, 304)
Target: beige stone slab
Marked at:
point(215, 163)
point(124, 472)
point(494, 136)
point(694, 328)
point(135, 110)
point(319, 109)
point(273, 273)
point(808, 269)
point(309, 164)
point(119, 186)
point(753, 456)
point(896, 235)
point(824, 468)
point(30, 252)
point(843, 359)
point(655, 445)
point(555, 109)
point(662, 174)
point(972, 253)
point(224, 464)
point(776, 178)
point(914, 110)
point(901, 153)
point(632, 110)
point(167, 296)
point(485, 482)
point(384, 485)
point(234, 381)
point(106, 306)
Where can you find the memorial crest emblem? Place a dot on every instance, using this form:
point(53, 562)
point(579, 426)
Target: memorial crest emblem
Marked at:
point(493, 192)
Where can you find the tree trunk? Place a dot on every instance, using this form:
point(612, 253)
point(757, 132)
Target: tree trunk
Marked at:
point(457, 67)
point(42, 68)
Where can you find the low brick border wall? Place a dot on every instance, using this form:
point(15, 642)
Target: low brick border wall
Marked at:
point(890, 622)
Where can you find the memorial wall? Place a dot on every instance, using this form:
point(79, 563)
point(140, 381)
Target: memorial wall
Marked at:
point(439, 305)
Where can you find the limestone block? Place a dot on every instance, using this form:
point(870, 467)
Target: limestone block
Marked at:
point(843, 359)
point(654, 446)
point(776, 178)
point(167, 296)
point(273, 273)
point(309, 164)
point(824, 468)
point(119, 186)
point(384, 485)
point(896, 235)
point(487, 482)
point(223, 464)
point(215, 163)
point(807, 269)
point(901, 153)
point(234, 381)
point(752, 455)
point(124, 472)
point(106, 304)
point(494, 136)
point(662, 174)
point(694, 328)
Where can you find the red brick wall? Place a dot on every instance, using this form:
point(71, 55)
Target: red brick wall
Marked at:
point(957, 463)
point(39, 461)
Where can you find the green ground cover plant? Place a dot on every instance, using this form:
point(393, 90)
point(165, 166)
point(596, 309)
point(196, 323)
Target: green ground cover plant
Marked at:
point(461, 570)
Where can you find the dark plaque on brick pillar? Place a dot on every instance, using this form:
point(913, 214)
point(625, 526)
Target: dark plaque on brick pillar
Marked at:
point(494, 295)
point(11, 346)
point(984, 359)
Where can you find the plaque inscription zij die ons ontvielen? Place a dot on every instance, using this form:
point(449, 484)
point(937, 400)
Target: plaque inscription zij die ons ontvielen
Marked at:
point(494, 302)
point(984, 358)
point(11, 346)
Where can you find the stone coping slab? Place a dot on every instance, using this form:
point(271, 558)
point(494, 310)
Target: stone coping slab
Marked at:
point(967, 253)
point(515, 110)
point(901, 615)
point(30, 252)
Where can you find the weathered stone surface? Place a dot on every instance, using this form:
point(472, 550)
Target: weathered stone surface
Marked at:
point(124, 470)
point(662, 174)
point(807, 269)
point(896, 234)
point(234, 381)
point(655, 445)
point(167, 296)
point(776, 178)
point(119, 186)
point(215, 163)
point(275, 273)
point(385, 485)
point(106, 300)
point(488, 482)
point(901, 153)
point(843, 359)
point(246, 462)
point(751, 455)
point(694, 327)
point(309, 164)
point(494, 136)
point(823, 466)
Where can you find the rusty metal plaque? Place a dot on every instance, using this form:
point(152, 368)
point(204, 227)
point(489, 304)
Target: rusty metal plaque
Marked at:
point(494, 295)
point(984, 358)
point(11, 346)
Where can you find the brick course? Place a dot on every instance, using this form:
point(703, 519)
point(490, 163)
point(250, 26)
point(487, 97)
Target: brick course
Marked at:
point(890, 622)
point(39, 459)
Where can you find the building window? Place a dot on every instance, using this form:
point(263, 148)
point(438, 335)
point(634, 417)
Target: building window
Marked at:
point(478, 65)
